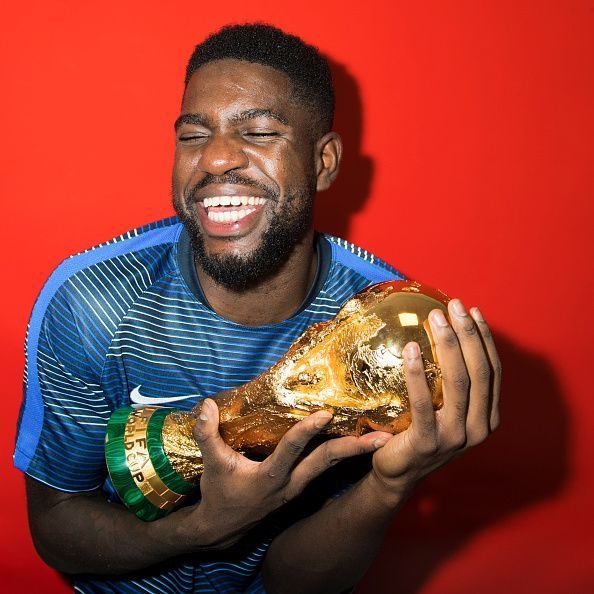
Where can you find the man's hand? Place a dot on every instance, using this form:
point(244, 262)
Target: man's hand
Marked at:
point(237, 493)
point(83, 533)
point(471, 374)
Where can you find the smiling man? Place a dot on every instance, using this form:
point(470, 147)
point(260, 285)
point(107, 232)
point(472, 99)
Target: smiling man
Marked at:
point(253, 146)
point(188, 307)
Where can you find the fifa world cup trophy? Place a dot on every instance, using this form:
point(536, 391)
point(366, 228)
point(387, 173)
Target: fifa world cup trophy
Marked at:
point(351, 366)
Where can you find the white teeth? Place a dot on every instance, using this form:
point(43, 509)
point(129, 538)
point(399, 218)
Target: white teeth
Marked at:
point(233, 201)
point(229, 216)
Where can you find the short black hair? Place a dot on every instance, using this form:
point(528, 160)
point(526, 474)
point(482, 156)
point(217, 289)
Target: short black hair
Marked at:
point(261, 43)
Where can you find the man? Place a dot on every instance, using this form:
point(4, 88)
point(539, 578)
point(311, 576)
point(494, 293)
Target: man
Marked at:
point(175, 312)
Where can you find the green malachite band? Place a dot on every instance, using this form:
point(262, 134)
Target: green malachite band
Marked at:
point(115, 457)
point(159, 458)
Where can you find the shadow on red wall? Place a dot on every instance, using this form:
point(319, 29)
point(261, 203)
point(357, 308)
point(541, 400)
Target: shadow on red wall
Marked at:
point(524, 462)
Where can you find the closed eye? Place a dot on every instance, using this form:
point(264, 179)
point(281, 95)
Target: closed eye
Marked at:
point(261, 136)
point(191, 137)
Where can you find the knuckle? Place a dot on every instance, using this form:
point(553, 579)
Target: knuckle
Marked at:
point(330, 460)
point(457, 439)
point(330, 457)
point(422, 407)
point(293, 447)
point(462, 382)
point(459, 381)
point(361, 449)
point(357, 450)
point(460, 410)
point(479, 435)
point(200, 434)
point(428, 445)
point(485, 330)
point(469, 329)
point(449, 338)
point(483, 373)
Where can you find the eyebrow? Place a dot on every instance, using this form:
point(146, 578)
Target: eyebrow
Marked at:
point(252, 114)
point(199, 119)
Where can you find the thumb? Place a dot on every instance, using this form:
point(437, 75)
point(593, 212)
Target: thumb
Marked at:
point(207, 436)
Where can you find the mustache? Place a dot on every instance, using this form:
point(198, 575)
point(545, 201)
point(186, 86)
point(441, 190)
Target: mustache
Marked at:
point(232, 178)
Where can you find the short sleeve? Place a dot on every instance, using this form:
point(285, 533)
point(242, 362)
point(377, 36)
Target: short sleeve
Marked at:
point(61, 429)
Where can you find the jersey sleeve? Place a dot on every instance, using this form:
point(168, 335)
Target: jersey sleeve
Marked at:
point(61, 429)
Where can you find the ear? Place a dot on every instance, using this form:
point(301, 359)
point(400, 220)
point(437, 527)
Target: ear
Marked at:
point(328, 154)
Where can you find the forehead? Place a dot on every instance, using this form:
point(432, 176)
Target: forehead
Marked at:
point(229, 84)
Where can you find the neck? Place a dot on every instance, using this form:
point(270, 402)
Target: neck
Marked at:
point(271, 301)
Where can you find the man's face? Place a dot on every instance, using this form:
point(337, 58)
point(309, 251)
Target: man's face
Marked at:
point(244, 173)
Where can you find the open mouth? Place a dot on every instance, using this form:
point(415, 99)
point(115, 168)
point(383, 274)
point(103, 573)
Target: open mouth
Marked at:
point(230, 209)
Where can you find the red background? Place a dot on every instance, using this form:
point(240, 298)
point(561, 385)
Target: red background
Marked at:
point(469, 165)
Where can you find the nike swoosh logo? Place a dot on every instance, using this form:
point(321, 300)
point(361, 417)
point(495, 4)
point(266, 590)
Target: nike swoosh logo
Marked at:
point(137, 398)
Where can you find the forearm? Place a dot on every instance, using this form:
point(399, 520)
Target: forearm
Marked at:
point(83, 533)
point(331, 550)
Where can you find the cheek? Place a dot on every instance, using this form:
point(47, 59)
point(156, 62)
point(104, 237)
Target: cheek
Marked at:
point(177, 172)
point(285, 165)
point(294, 176)
point(182, 176)
point(184, 164)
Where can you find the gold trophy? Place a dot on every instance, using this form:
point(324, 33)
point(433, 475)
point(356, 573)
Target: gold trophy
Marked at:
point(351, 366)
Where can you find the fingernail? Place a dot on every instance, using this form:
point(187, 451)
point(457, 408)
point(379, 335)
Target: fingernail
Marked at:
point(323, 419)
point(477, 315)
point(203, 416)
point(458, 308)
point(438, 318)
point(412, 351)
point(380, 441)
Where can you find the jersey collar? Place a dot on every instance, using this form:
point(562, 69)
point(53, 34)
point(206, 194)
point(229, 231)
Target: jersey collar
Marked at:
point(187, 267)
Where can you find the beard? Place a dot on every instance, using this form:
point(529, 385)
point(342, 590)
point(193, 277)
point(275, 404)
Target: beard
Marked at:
point(283, 232)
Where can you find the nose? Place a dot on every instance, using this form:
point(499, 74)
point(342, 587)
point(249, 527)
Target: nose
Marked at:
point(221, 154)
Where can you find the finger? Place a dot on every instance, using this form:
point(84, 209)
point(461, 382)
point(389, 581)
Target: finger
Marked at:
point(494, 362)
point(479, 372)
point(215, 452)
point(330, 453)
point(280, 463)
point(455, 381)
point(423, 430)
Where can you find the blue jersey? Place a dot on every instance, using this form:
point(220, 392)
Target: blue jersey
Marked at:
point(127, 322)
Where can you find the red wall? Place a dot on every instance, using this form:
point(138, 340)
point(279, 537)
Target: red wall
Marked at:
point(469, 166)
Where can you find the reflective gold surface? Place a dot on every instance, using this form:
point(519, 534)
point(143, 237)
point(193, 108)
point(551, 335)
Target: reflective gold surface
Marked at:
point(351, 365)
point(180, 446)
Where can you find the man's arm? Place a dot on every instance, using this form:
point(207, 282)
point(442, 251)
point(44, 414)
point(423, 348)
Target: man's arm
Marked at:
point(83, 533)
point(331, 550)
